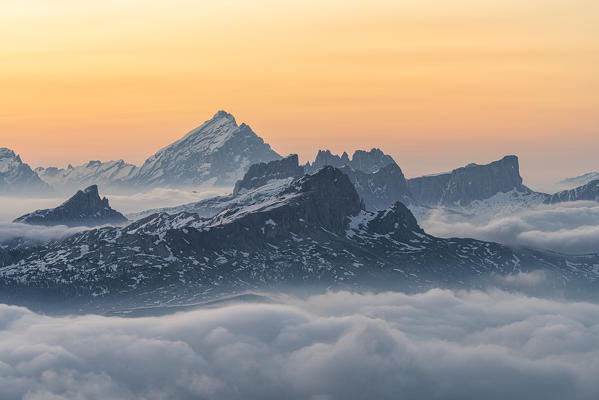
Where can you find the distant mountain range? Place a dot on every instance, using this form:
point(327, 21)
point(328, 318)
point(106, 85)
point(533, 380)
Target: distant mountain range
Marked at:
point(573, 183)
point(106, 174)
point(220, 151)
point(312, 230)
point(588, 191)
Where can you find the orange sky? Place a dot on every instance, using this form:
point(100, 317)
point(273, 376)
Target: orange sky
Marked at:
point(435, 83)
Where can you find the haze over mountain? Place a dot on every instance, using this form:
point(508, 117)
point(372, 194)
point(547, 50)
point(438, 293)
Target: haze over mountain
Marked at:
point(107, 174)
point(588, 191)
point(577, 181)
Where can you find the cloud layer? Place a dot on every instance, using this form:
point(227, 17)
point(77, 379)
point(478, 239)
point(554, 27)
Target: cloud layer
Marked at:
point(12, 207)
point(435, 345)
point(36, 233)
point(569, 228)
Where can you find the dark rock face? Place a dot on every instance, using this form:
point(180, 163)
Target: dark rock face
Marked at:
point(472, 182)
point(590, 191)
point(377, 178)
point(17, 177)
point(382, 188)
point(311, 233)
point(261, 173)
point(429, 189)
point(85, 208)
point(324, 158)
point(219, 152)
point(365, 161)
point(370, 161)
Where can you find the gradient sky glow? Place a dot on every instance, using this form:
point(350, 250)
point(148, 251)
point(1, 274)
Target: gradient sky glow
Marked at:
point(435, 83)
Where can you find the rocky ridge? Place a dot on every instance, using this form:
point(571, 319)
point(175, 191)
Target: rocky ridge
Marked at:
point(464, 185)
point(589, 191)
point(85, 208)
point(311, 231)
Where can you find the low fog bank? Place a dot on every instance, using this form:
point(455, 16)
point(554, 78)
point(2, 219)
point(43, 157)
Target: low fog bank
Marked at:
point(440, 344)
point(571, 228)
point(35, 233)
point(12, 207)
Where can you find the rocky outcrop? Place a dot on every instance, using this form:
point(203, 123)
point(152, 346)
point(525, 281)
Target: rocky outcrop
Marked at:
point(467, 184)
point(324, 158)
point(365, 161)
point(261, 173)
point(85, 208)
point(217, 152)
point(16, 177)
point(590, 191)
point(370, 161)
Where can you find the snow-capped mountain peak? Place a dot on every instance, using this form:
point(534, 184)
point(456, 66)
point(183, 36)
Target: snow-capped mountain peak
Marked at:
point(217, 152)
point(17, 176)
point(208, 136)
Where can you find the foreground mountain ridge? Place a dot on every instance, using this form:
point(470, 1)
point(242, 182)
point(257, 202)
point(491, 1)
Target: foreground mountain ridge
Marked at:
point(311, 231)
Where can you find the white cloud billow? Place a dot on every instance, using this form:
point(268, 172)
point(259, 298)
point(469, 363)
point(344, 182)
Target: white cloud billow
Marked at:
point(435, 345)
point(569, 227)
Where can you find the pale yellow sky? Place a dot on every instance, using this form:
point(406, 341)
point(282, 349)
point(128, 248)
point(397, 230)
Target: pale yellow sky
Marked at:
point(436, 83)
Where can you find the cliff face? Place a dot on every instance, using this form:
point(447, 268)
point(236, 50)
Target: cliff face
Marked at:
point(85, 208)
point(261, 173)
point(467, 184)
point(382, 188)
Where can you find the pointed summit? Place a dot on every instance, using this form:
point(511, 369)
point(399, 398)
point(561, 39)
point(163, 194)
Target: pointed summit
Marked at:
point(222, 114)
point(85, 208)
point(217, 152)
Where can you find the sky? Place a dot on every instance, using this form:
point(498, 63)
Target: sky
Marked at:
point(435, 83)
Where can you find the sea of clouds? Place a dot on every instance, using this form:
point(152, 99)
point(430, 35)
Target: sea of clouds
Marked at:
point(568, 227)
point(440, 344)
